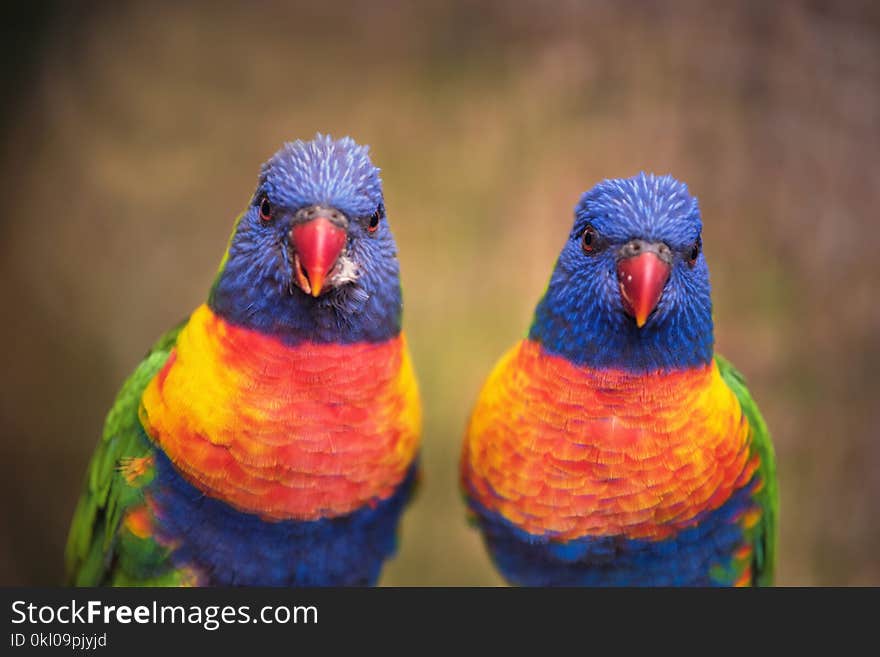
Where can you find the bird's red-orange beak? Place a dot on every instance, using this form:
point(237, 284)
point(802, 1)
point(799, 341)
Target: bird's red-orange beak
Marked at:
point(642, 278)
point(317, 244)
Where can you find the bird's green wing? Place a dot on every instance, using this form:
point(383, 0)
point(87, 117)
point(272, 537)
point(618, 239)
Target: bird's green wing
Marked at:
point(765, 531)
point(108, 489)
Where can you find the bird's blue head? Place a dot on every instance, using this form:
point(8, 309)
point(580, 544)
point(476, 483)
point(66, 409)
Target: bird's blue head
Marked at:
point(313, 258)
point(631, 287)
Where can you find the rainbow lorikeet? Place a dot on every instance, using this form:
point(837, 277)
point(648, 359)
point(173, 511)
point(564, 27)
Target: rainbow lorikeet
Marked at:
point(612, 446)
point(271, 438)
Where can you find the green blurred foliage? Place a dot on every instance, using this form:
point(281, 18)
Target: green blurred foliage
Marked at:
point(133, 133)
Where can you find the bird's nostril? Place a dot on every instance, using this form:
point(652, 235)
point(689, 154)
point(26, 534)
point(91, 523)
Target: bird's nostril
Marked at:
point(636, 247)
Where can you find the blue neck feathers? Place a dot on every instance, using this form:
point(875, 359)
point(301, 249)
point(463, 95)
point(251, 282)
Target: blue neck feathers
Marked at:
point(585, 331)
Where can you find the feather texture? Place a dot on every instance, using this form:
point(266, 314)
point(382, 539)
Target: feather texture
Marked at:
point(272, 438)
point(582, 476)
point(606, 449)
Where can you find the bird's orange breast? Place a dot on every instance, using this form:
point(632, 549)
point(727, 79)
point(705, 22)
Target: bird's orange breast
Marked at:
point(570, 451)
point(286, 432)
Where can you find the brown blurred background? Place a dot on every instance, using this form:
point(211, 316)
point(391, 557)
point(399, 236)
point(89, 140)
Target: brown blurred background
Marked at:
point(133, 133)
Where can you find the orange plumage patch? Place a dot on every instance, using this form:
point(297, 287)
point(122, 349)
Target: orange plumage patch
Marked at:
point(134, 468)
point(139, 521)
point(750, 518)
point(744, 553)
point(302, 432)
point(745, 579)
point(568, 451)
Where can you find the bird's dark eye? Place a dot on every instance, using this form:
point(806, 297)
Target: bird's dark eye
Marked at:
point(591, 241)
point(374, 222)
point(265, 209)
point(695, 251)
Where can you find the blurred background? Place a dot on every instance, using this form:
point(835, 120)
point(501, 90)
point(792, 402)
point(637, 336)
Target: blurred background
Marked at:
point(133, 133)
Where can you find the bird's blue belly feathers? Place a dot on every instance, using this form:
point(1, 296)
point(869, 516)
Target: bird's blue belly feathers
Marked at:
point(229, 548)
point(700, 555)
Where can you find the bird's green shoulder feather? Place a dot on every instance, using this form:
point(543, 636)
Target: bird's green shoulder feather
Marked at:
point(766, 531)
point(108, 492)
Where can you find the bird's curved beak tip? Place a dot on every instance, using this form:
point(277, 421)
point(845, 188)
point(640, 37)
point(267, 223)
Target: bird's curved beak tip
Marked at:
point(317, 244)
point(642, 279)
